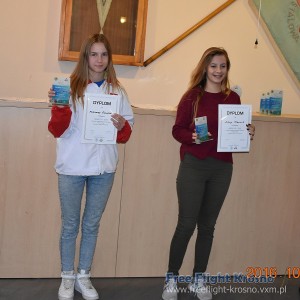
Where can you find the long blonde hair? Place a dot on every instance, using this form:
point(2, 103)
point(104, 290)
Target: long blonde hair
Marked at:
point(80, 75)
point(199, 76)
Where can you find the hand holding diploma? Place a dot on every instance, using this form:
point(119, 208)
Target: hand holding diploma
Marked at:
point(251, 130)
point(118, 121)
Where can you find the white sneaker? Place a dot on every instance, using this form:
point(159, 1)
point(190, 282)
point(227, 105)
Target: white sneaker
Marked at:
point(84, 286)
point(66, 289)
point(200, 289)
point(170, 290)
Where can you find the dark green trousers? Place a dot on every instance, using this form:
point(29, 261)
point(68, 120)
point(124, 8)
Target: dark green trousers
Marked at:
point(202, 186)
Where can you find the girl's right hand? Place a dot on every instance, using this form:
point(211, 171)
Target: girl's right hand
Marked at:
point(51, 94)
point(194, 135)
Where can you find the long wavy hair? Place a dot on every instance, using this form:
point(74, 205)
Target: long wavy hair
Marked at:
point(80, 75)
point(199, 75)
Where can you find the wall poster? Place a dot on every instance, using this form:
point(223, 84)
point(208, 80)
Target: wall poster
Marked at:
point(281, 20)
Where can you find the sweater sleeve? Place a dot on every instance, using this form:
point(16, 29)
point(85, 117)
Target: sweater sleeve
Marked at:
point(182, 130)
point(124, 134)
point(60, 120)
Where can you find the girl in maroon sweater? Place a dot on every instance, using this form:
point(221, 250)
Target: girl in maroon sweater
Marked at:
point(204, 174)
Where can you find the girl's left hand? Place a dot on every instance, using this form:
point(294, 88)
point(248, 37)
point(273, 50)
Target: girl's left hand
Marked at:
point(251, 129)
point(118, 121)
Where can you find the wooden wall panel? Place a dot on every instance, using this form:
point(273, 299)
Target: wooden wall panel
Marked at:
point(258, 225)
point(149, 200)
point(30, 213)
point(258, 219)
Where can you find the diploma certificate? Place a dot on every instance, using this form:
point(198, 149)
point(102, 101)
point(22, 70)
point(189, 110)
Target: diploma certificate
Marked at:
point(233, 135)
point(97, 125)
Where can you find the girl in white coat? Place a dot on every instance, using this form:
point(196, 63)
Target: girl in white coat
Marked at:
point(80, 165)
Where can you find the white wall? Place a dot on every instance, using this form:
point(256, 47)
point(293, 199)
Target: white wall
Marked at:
point(29, 35)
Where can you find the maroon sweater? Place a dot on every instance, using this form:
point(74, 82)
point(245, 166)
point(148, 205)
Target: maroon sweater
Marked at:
point(184, 127)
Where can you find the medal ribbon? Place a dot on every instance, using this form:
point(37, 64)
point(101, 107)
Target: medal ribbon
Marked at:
point(103, 9)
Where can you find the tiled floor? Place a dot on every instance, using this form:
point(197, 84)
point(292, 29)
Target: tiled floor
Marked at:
point(147, 289)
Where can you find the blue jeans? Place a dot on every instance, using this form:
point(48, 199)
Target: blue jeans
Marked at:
point(70, 193)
